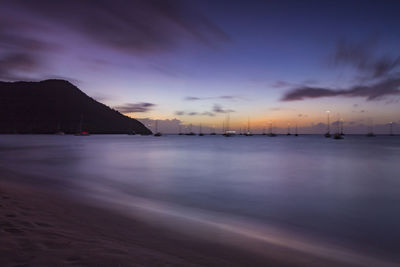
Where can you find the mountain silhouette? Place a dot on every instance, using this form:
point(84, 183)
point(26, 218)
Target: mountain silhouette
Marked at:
point(51, 106)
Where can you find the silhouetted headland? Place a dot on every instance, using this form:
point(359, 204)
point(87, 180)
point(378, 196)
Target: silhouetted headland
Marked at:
point(54, 106)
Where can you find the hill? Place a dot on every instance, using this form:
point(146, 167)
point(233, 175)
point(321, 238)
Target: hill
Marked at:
point(57, 105)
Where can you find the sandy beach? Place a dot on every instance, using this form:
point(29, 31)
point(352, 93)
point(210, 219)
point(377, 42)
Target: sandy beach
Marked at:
point(40, 228)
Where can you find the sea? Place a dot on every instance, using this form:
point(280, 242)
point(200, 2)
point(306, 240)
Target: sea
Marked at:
point(331, 198)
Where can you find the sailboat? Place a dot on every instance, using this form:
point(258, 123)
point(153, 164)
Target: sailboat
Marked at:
point(341, 127)
point(227, 132)
point(213, 131)
point(190, 130)
point(180, 130)
point(371, 130)
point(59, 132)
point(80, 132)
point(263, 132)
point(200, 131)
point(338, 135)
point(157, 132)
point(271, 134)
point(288, 129)
point(296, 132)
point(391, 129)
point(132, 132)
point(248, 133)
point(328, 134)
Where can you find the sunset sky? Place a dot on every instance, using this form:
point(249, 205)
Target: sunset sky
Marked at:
point(196, 61)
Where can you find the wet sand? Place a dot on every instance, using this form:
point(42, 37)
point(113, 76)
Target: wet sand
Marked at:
point(39, 227)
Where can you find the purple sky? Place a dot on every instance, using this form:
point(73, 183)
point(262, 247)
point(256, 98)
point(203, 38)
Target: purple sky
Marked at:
point(281, 61)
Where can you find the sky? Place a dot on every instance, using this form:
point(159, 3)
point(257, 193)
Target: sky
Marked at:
point(197, 62)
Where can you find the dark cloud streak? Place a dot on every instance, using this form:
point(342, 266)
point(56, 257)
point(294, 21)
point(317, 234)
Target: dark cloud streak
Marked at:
point(135, 107)
point(363, 57)
point(218, 109)
point(371, 92)
point(129, 25)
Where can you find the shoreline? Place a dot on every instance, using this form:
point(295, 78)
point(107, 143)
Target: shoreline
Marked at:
point(41, 227)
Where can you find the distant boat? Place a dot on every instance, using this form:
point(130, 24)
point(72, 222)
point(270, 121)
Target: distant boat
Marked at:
point(200, 131)
point(190, 130)
point(296, 133)
point(328, 130)
point(157, 132)
point(248, 133)
point(271, 134)
point(371, 130)
point(391, 129)
point(227, 132)
point(341, 127)
point(288, 129)
point(213, 131)
point(180, 130)
point(59, 132)
point(131, 132)
point(80, 132)
point(263, 132)
point(337, 136)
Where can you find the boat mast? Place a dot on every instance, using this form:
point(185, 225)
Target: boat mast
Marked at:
point(341, 127)
point(328, 127)
point(80, 124)
point(227, 122)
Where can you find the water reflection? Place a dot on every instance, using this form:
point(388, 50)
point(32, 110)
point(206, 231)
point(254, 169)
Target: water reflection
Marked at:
point(342, 193)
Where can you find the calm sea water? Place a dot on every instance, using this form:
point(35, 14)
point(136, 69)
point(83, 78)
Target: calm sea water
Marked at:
point(341, 192)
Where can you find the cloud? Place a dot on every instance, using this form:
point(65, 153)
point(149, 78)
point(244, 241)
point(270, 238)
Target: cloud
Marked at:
point(179, 113)
point(362, 57)
point(135, 107)
point(374, 91)
point(205, 113)
point(280, 84)
point(208, 113)
point(218, 109)
point(131, 26)
point(223, 97)
point(20, 54)
point(12, 64)
point(193, 98)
